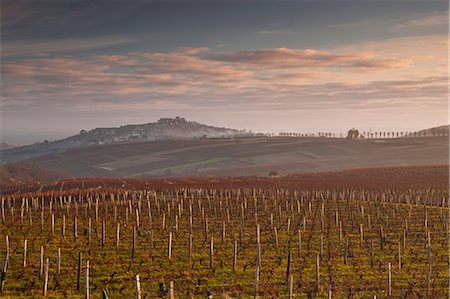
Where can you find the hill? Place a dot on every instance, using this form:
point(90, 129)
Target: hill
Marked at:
point(163, 129)
point(5, 146)
point(244, 156)
point(437, 131)
point(23, 173)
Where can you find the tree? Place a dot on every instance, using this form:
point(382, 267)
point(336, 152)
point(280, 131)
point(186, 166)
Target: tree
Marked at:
point(353, 134)
point(273, 173)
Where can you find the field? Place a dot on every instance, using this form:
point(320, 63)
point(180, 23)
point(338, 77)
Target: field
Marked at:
point(302, 236)
point(243, 156)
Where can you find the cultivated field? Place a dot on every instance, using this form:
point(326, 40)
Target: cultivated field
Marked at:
point(352, 234)
point(243, 156)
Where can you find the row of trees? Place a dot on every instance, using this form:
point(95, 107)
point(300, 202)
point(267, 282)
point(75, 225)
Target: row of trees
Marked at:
point(366, 134)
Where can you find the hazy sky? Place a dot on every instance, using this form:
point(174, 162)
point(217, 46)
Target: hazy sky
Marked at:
point(265, 66)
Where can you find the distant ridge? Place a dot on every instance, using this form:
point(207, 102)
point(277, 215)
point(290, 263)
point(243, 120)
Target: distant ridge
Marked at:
point(436, 131)
point(5, 146)
point(177, 128)
point(23, 173)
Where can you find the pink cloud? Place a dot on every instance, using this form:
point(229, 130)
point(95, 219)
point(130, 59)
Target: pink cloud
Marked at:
point(116, 59)
point(192, 51)
point(294, 77)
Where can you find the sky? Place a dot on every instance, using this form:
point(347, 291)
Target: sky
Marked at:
point(266, 66)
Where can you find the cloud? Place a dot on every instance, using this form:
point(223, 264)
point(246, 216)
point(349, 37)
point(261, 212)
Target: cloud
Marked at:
point(191, 50)
point(199, 78)
point(295, 58)
point(116, 59)
point(436, 19)
point(38, 46)
point(276, 32)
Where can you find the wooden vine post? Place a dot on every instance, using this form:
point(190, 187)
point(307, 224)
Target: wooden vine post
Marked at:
point(171, 290)
point(389, 280)
point(5, 265)
point(44, 289)
point(80, 257)
point(137, 285)
point(87, 280)
point(211, 253)
point(25, 248)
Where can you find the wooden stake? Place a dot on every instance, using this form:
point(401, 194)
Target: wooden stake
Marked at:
point(321, 244)
point(137, 217)
point(256, 285)
point(276, 236)
point(89, 232)
point(223, 231)
point(235, 252)
point(151, 240)
point(25, 248)
point(288, 267)
point(317, 273)
point(53, 223)
point(87, 280)
point(211, 253)
point(133, 242)
point(42, 221)
point(103, 233)
point(190, 246)
point(346, 251)
point(5, 265)
point(299, 243)
point(170, 246)
point(58, 260)
point(361, 234)
point(63, 229)
point(206, 228)
point(44, 290)
point(75, 228)
point(171, 290)
point(41, 264)
point(137, 285)
point(389, 280)
point(79, 270)
point(117, 235)
point(290, 286)
point(371, 253)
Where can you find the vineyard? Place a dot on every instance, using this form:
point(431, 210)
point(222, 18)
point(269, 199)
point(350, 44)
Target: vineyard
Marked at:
point(356, 234)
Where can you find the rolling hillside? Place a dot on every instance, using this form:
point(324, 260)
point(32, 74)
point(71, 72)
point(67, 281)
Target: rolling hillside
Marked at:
point(163, 129)
point(244, 156)
point(23, 173)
